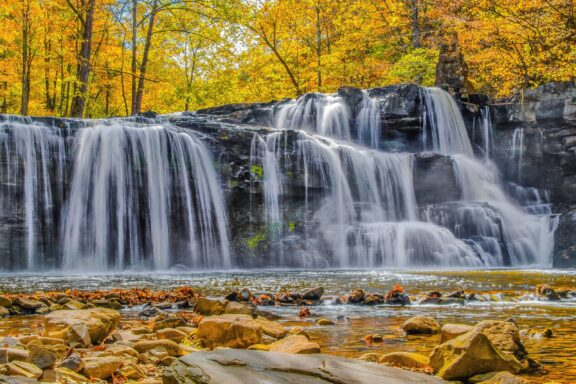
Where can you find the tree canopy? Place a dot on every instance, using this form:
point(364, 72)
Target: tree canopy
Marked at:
point(94, 58)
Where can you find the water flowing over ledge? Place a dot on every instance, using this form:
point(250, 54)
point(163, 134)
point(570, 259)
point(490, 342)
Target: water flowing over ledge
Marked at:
point(324, 190)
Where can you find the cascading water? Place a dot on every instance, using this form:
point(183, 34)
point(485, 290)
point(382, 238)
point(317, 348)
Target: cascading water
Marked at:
point(444, 128)
point(330, 115)
point(32, 174)
point(517, 152)
point(135, 193)
point(143, 196)
point(487, 131)
point(369, 217)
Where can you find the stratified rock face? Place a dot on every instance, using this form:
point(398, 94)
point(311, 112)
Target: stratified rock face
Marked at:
point(565, 244)
point(248, 367)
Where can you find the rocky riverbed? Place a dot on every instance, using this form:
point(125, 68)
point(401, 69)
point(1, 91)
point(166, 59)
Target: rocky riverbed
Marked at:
point(465, 329)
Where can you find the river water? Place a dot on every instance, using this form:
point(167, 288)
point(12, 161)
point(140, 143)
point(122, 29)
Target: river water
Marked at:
point(510, 290)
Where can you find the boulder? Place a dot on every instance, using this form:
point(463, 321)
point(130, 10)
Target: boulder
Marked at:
point(121, 350)
point(297, 344)
point(73, 363)
point(452, 331)
point(66, 375)
point(42, 357)
point(101, 367)
point(8, 355)
point(16, 380)
point(4, 312)
point(356, 296)
point(88, 326)
point(146, 345)
point(28, 303)
point(234, 308)
point(5, 302)
point(313, 294)
point(371, 357)
point(131, 371)
point(168, 322)
point(325, 322)
point(171, 334)
point(210, 307)
point(421, 325)
point(234, 331)
point(271, 328)
point(546, 291)
point(496, 378)
point(249, 367)
point(21, 368)
point(504, 335)
point(470, 354)
point(405, 360)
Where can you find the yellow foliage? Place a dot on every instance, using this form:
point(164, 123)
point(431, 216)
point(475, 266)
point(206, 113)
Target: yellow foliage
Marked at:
point(207, 53)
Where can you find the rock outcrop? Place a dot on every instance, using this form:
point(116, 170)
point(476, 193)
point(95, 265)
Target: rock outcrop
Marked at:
point(248, 367)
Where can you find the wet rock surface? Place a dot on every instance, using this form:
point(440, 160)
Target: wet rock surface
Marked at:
point(219, 367)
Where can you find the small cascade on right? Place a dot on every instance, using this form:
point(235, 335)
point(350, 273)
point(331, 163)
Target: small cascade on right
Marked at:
point(525, 236)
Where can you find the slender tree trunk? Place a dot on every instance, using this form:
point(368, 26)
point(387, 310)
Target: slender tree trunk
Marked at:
point(147, 45)
point(318, 49)
point(122, 85)
point(26, 57)
point(47, 53)
point(83, 72)
point(134, 55)
point(415, 20)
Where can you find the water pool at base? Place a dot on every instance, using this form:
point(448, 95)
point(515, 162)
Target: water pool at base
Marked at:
point(512, 291)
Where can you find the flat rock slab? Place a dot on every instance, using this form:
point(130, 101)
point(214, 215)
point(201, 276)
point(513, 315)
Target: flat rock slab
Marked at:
point(248, 367)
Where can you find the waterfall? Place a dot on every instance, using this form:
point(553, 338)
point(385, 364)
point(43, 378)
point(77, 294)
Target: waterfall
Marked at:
point(136, 193)
point(517, 152)
point(265, 152)
point(32, 174)
point(143, 196)
point(444, 130)
point(368, 215)
point(487, 131)
point(368, 121)
point(329, 115)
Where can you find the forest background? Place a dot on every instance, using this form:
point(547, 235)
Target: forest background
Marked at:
point(96, 58)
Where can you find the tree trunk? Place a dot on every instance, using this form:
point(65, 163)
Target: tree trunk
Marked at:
point(134, 55)
point(26, 58)
point(318, 48)
point(83, 72)
point(415, 20)
point(147, 44)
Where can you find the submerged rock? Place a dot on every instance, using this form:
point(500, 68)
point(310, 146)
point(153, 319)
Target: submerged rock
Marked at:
point(297, 344)
point(248, 367)
point(421, 325)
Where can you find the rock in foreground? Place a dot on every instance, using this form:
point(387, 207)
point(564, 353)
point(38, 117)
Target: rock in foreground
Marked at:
point(248, 367)
point(81, 327)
